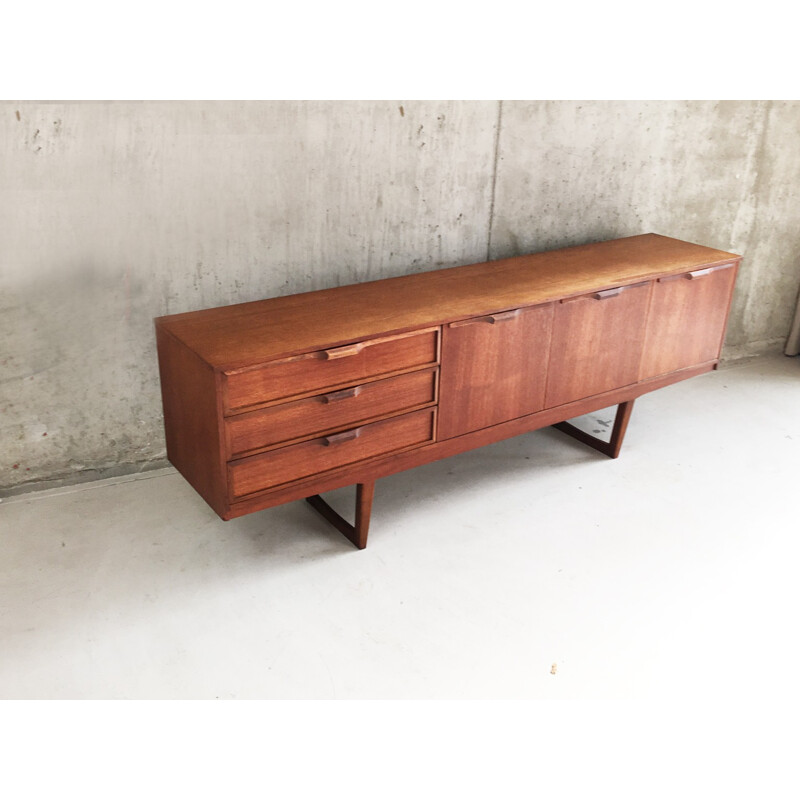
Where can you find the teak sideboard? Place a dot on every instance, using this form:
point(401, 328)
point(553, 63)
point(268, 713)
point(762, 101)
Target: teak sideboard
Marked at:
point(282, 399)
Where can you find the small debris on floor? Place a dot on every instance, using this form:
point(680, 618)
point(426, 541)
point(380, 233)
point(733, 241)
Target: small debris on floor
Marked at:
point(554, 669)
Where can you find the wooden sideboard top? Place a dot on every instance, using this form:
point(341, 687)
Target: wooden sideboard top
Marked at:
point(230, 337)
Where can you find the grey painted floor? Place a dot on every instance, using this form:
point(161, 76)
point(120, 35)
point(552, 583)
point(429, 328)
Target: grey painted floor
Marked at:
point(534, 568)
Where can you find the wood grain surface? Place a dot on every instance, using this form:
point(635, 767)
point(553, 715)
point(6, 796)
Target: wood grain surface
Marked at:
point(328, 412)
point(248, 475)
point(597, 344)
point(235, 336)
point(315, 371)
point(687, 319)
point(493, 369)
point(285, 398)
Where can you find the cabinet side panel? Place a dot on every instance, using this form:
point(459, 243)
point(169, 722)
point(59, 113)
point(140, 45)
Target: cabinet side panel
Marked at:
point(191, 419)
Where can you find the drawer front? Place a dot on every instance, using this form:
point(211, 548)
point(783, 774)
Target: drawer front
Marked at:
point(493, 369)
point(297, 461)
point(323, 369)
point(597, 343)
point(687, 319)
point(327, 412)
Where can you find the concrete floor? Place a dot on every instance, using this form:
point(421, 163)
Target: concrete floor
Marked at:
point(534, 568)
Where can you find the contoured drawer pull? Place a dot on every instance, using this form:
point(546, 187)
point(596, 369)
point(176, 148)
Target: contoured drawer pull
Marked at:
point(338, 438)
point(503, 316)
point(604, 293)
point(694, 274)
point(343, 352)
point(333, 397)
point(607, 293)
point(698, 273)
point(491, 319)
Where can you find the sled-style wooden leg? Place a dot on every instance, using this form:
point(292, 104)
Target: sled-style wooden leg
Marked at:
point(612, 448)
point(357, 533)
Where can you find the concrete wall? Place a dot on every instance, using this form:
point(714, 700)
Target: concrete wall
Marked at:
point(724, 174)
point(114, 213)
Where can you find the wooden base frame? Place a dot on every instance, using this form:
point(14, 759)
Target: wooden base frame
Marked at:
point(357, 533)
point(365, 492)
point(610, 448)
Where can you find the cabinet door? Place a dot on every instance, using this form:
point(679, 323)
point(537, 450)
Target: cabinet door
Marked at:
point(597, 343)
point(493, 369)
point(687, 319)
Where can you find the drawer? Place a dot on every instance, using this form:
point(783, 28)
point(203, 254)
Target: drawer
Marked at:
point(322, 369)
point(297, 461)
point(327, 412)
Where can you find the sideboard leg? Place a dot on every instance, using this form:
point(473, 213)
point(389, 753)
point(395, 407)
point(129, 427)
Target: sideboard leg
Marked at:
point(611, 448)
point(620, 426)
point(364, 495)
point(357, 533)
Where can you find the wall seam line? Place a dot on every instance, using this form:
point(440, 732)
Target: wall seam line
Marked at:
point(754, 189)
point(494, 177)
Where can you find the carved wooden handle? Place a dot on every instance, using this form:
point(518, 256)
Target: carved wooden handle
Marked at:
point(698, 273)
point(694, 274)
point(333, 397)
point(501, 316)
point(604, 293)
point(608, 293)
point(338, 438)
point(343, 352)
